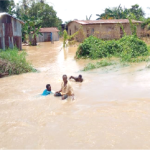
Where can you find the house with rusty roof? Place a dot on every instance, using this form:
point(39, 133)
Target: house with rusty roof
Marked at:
point(104, 29)
point(47, 34)
point(10, 31)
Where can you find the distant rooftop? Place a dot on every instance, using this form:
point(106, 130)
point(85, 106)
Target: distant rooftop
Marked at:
point(51, 29)
point(103, 21)
point(4, 13)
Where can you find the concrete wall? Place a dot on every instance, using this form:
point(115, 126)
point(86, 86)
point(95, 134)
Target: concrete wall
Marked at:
point(103, 31)
point(73, 27)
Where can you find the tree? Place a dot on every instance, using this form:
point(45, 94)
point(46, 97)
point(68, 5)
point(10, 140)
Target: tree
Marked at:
point(47, 13)
point(106, 15)
point(30, 27)
point(41, 1)
point(4, 5)
point(88, 18)
point(113, 13)
point(11, 9)
point(146, 24)
point(25, 6)
point(137, 11)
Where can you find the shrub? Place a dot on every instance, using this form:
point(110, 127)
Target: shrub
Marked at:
point(14, 62)
point(126, 48)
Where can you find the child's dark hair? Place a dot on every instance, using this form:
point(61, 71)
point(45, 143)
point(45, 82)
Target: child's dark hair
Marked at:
point(80, 76)
point(47, 85)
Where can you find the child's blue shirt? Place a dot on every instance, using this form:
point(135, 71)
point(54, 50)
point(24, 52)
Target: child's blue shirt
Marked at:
point(46, 92)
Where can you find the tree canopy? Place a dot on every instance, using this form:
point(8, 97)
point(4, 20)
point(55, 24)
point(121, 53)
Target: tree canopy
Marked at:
point(5, 4)
point(135, 12)
point(39, 10)
point(46, 13)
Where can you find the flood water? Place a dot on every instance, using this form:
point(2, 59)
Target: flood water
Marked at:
point(111, 108)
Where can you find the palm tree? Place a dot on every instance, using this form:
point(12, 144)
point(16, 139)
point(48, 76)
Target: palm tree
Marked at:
point(106, 15)
point(113, 13)
point(89, 17)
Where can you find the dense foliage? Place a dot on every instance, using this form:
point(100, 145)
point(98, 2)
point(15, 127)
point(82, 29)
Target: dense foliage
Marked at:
point(47, 14)
point(38, 9)
point(5, 4)
point(14, 62)
point(31, 26)
point(146, 23)
point(126, 48)
point(135, 12)
point(35, 14)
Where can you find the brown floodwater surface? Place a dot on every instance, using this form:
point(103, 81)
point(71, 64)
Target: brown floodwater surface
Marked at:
point(111, 107)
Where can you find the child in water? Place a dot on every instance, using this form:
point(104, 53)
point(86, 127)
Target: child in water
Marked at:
point(77, 79)
point(47, 91)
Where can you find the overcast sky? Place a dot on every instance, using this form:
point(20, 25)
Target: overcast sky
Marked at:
point(78, 9)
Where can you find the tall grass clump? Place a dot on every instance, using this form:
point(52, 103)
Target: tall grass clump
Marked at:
point(126, 48)
point(102, 63)
point(14, 62)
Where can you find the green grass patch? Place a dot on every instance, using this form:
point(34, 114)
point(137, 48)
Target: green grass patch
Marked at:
point(13, 61)
point(102, 63)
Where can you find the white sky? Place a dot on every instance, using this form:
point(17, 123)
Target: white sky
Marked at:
point(78, 9)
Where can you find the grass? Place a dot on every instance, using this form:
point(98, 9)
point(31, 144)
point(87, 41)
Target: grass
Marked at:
point(14, 62)
point(102, 63)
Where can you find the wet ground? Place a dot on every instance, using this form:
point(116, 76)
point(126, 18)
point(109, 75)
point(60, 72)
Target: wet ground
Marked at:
point(111, 110)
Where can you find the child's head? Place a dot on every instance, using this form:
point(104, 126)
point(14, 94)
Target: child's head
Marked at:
point(80, 76)
point(48, 87)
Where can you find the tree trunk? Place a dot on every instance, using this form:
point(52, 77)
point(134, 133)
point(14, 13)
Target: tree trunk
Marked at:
point(34, 43)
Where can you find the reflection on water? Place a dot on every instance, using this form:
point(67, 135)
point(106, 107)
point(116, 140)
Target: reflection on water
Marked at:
point(111, 108)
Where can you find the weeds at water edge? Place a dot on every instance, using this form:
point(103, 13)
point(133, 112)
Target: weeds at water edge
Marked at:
point(14, 62)
point(102, 63)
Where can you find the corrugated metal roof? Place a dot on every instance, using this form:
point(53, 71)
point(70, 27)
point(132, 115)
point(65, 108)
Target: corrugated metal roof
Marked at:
point(4, 13)
point(52, 29)
point(103, 21)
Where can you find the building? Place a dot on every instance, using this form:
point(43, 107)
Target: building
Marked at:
point(10, 31)
point(104, 29)
point(48, 34)
point(63, 27)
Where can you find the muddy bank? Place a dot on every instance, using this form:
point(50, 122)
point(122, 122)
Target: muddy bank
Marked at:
point(4, 68)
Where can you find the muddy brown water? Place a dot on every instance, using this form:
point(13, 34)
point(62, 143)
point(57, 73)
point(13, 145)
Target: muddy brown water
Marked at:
point(111, 110)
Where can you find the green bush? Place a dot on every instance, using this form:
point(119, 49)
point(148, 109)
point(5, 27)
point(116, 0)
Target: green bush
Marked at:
point(126, 48)
point(14, 62)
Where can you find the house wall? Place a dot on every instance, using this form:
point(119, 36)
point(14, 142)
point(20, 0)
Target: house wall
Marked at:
point(40, 38)
point(73, 27)
point(17, 33)
point(45, 37)
point(10, 32)
point(55, 36)
point(103, 31)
